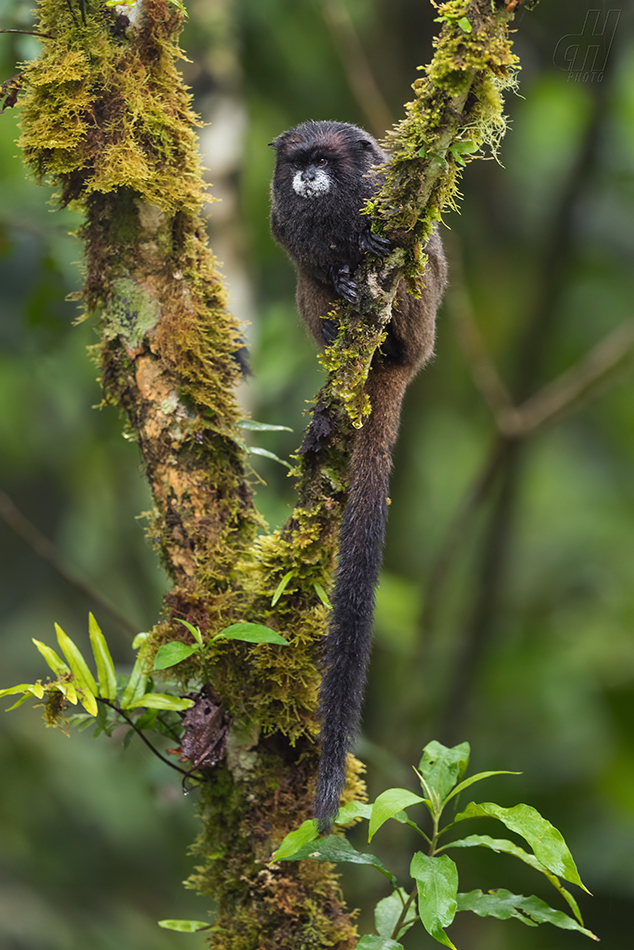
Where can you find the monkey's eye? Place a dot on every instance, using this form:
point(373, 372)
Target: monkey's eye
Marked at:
point(321, 162)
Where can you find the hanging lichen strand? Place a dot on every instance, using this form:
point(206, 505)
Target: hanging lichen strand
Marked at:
point(106, 118)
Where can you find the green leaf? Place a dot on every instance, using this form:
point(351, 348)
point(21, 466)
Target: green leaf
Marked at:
point(478, 777)
point(323, 596)
point(437, 882)
point(195, 632)
point(465, 147)
point(279, 590)
point(353, 810)
point(464, 24)
point(441, 767)
point(546, 841)
point(256, 450)
point(251, 633)
point(54, 661)
point(372, 942)
point(530, 910)
point(337, 849)
point(169, 654)
point(105, 667)
point(69, 691)
point(147, 720)
point(388, 804)
point(21, 700)
point(254, 426)
point(503, 846)
point(186, 926)
point(161, 701)
point(28, 688)
point(388, 911)
point(136, 684)
point(295, 840)
point(139, 640)
point(85, 679)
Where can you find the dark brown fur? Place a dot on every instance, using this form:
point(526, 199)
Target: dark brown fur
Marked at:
point(327, 237)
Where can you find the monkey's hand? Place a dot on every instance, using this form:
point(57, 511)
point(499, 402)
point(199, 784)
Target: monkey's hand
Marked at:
point(329, 331)
point(368, 241)
point(340, 276)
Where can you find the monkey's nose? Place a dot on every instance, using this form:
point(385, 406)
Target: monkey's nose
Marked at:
point(309, 174)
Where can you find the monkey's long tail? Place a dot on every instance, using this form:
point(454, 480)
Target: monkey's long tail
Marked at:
point(349, 640)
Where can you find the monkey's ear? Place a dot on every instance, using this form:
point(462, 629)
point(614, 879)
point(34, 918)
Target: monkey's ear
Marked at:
point(276, 141)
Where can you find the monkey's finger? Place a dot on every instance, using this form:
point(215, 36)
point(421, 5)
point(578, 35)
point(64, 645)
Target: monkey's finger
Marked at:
point(375, 244)
point(347, 289)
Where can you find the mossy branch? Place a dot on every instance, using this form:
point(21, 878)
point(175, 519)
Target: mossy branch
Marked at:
point(107, 119)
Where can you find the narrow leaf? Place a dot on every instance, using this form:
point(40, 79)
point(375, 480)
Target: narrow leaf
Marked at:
point(54, 661)
point(139, 640)
point(256, 450)
point(251, 633)
point(388, 803)
point(22, 688)
point(279, 590)
point(532, 911)
point(546, 841)
point(195, 632)
point(254, 426)
point(323, 596)
point(437, 882)
point(186, 926)
point(105, 667)
point(69, 691)
point(464, 24)
point(161, 701)
point(136, 684)
point(295, 840)
point(88, 700)
point(76, 662)
point(169, 654)
point(21, 700)
point(478, 777)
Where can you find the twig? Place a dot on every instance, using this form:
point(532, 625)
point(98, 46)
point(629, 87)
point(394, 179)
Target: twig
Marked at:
point(579, 382)
point(139, 732)
point(586, 379)
point(357, 68)
point(46, 36)
point(19, 523)
point(485, 376)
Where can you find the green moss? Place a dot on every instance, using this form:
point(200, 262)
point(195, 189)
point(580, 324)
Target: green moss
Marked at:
point(130, 312)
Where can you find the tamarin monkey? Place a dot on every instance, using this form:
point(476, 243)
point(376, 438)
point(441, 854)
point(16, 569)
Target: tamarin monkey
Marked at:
point(324, 174)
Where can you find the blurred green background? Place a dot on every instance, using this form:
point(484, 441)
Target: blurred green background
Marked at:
point(518, 637)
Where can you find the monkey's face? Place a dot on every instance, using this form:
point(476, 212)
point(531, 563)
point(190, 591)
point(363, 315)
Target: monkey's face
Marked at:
point(319, 159)
point(313, 180)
